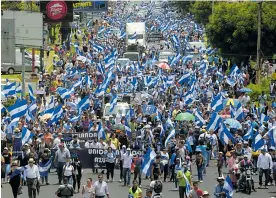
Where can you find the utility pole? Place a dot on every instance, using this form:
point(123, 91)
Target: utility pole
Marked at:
point(258, 66)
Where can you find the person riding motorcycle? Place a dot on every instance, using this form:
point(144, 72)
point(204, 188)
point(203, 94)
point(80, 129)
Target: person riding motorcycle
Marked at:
point(244, 164)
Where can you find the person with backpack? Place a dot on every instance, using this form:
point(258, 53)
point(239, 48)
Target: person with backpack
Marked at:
point(66, 190)
point(200, 161)
point(157, 186)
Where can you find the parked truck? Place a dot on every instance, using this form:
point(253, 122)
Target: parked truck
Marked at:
point(138, 29)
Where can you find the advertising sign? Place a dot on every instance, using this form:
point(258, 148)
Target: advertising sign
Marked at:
point(57, 11)
point(90, 6)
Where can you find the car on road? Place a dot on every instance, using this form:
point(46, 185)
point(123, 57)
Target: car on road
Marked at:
point(11, 68)
point(133, 56)
point(165, 55)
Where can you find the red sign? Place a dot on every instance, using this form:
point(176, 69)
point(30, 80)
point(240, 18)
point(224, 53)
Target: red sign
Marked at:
point(56, 10)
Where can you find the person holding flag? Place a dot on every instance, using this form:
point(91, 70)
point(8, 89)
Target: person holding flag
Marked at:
point(184, 181)
point(15, 179)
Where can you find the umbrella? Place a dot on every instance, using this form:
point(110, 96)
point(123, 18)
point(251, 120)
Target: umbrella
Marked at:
point(163, 66)
point(119, 127)
point(235, 124)
point(245, 90)
point(185, 116)
point(233, 102)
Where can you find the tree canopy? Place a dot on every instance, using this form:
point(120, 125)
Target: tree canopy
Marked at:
point(232, 27)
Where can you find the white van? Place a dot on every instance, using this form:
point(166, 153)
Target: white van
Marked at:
point(121, 108)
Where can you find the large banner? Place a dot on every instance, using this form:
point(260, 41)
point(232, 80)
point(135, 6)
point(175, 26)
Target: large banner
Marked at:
point(82, 136)
point(57, 11)
point(93, 157)
point(90, 6)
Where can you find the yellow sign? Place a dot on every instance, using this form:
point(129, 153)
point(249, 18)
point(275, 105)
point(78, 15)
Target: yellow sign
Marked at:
point(82, 4)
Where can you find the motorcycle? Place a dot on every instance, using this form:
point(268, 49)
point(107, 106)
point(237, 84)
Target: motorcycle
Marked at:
point(247, 183)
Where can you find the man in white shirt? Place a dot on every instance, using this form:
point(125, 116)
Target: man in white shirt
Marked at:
point(32, 176)
point(264, 163)
point(127, 160)
point(57, 140)
point(100, 188)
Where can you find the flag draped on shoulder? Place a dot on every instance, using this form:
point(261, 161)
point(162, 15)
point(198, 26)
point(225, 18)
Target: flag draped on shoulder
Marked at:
point(44, 168)
point(148, 157)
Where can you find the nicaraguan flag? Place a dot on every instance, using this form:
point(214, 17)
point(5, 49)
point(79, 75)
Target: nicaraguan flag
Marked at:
point(214, 122)
point(31, 93)
point(101, 133)
point(199, 118)
point(228, 187)
point(171, 135)
point(84, 104)
point(175, 40)
point(217, 104)
point(113, 103)
point(18, 89)
point(133, 36)
point(9, 89)
point(184, 79)
point(19, 109)
point(44, 168)
point(100, 68)
point(232, 111)
point(26, 135)
point(32, 107)
point(29, 116)
point(264, 118)
point(249, 133)
point(187, 58)
point(272, 136)
point(127, 128)
point(225, 135)
point(231, 82)
point(57, 114)
point(123, 35)
point(258, 142)
point(239, 112)
point(234, 71)
point(148, 157)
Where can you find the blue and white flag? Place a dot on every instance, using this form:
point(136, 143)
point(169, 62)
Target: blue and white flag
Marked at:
point(231, 82)
point(234, 71)
point(272, 136)
point(249, 133)
point(26, 135)
point(228, 187)
point(214, 122)
point(18, 89)
point(32, 107)
point(44, 168)
point(101, 133)
point(113, 102)
point(133, 36)
point(57, 114)
point(29, 116)
point(9, 89)
point(217, 103)
point(148, 157)
point(225, 135)
point(258, 142)
point(19, 109)
point(264, 118)
point(185, 59)
point(100, 68)
point(31, 93)
point(239, 112)
point(123, 35)
point(232, 111)
point(184, 79)
point(127, 128)
point(3, 108)
point(171, 135)
point(199, 119)
point(84, 104)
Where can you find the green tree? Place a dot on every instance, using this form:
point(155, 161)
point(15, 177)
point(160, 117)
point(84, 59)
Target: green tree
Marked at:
point(233, 28)
point(20, 6)
point(201, 11)
point(182, 6)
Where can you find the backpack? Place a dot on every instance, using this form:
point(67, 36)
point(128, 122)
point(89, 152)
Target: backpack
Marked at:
point(158, 186)
point(207, 142)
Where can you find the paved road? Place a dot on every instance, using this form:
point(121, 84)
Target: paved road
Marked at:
point(118, 191)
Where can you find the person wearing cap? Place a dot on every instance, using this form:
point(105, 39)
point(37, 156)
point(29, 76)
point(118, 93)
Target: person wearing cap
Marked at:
point(182, 176)
point(15, 178)
point(7, 162)
point(44, 158)
point(264, 163)
point(17, 142)
point(206, 194)
point(61, 156)
point(32, 176)
point(127, 160)
point(247, 149)
point(219, 193)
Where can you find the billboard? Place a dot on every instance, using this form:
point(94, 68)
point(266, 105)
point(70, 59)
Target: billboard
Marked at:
point(90, 6)
point(57, 11)
point(28, 27)
point(7, 41)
